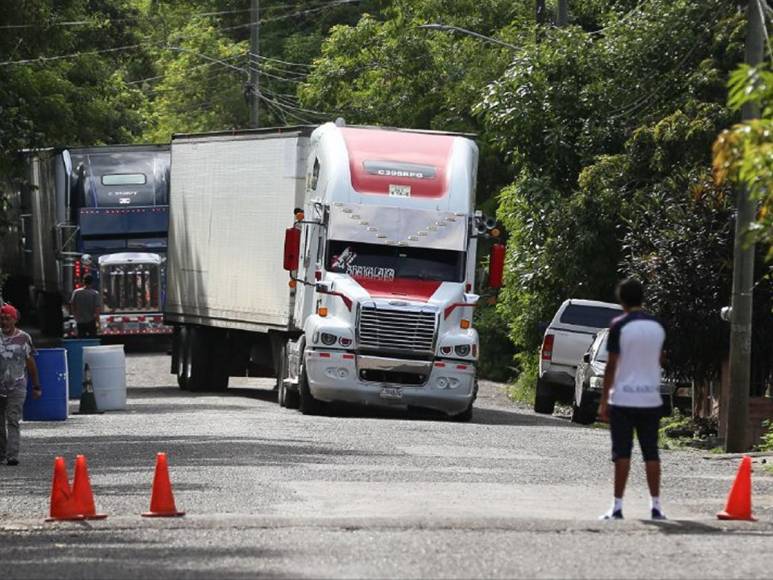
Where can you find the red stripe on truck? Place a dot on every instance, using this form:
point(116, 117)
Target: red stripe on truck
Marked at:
point(392, 148)
point(405, 288)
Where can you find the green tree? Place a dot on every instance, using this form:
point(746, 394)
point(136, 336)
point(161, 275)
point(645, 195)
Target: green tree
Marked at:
point(609, 130)
point(743, 154)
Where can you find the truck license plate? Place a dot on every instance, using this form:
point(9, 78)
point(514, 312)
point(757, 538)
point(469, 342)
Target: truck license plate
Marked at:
point(393, 393)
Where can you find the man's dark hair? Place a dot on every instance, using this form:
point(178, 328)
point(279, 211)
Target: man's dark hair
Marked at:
point(630, 293)
point(88, 279)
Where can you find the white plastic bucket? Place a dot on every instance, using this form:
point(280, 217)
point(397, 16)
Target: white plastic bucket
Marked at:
point(107, 364)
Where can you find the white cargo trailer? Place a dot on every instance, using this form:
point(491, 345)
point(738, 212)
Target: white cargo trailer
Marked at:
point(228, 296)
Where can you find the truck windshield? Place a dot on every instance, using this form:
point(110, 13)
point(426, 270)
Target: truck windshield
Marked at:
point(377, 262)
point(128, 287)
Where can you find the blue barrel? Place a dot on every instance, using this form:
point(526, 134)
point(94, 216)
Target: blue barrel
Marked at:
point(74, 348)
point(52, 406)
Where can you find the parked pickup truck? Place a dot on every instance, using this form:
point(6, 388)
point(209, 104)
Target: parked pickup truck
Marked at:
point(566, 340)
point(589, 383)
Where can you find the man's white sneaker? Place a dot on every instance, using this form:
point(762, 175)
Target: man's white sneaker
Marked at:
point(612, 515)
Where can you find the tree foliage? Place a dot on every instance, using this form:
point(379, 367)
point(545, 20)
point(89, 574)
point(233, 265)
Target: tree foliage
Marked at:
point(743, 154)
point(595, 138)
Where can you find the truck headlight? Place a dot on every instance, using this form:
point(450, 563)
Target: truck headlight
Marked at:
point(462, 349)
point(328, 339)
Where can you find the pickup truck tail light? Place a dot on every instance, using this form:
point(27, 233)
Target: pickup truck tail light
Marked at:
point(547, 347)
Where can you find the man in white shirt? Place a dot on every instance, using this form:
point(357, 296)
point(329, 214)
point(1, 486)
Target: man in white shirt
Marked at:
point(631, 400)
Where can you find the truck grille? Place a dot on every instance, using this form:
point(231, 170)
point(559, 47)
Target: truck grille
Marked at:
point(127, 287)
point(397, 330)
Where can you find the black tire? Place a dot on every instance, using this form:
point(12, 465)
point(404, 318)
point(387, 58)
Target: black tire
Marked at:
point(181, 348)
point(307, 404)
point(466, 415)
point(463, 417)
point(544, 402)
point(220, 362)
point(286, 397)
point(544, 405)
point(199, 361)
point(585, 414)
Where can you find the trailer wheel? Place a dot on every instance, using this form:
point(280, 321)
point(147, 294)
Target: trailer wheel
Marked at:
point(217, 343)
point(307, 404)
point(180, 348)
point(198, 363)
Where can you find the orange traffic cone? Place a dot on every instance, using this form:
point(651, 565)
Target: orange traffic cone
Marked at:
point(162, 499)
point(81, 490)
point(63, 504)
point(739, 500)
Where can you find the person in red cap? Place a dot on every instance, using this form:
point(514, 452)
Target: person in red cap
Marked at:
point(16, 361)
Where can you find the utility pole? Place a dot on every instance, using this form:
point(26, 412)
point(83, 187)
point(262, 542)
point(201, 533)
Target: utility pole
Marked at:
point(562, 13)
point(254, 61)
point(540, 18)
point(736, 439)
point(540, 11)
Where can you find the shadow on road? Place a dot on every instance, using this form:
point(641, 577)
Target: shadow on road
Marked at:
point(693, 528)
point(481, 416)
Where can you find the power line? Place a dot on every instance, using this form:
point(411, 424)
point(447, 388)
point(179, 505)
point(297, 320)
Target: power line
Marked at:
point(622, 20)
point(292, 14)
point(42, 59)
point(195, 67)
point(299, 64)
point(275, 77)
point(46, 25)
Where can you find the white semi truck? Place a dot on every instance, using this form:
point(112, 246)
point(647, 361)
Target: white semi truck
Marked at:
point(381, 254)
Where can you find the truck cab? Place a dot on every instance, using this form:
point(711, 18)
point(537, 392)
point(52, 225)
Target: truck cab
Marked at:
point(383, 259)
point(79, 207)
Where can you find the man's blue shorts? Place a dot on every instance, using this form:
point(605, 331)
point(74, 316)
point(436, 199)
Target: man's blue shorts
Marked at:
point(644, 420)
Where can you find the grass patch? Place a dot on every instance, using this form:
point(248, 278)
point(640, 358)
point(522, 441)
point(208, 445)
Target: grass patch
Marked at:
point(524, 388)
point(766, 442)
point(680, 430)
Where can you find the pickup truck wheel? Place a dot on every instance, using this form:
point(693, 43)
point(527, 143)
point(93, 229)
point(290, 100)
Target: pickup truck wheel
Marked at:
point(307, 404)
point(585, 413)
point(544, 403)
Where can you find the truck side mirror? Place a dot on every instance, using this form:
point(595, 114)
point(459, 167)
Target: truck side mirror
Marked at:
point(292, 249)
point(496, 266)
point(586, 357)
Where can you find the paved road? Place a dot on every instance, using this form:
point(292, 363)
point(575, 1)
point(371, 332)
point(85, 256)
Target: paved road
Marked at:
point(269, 492)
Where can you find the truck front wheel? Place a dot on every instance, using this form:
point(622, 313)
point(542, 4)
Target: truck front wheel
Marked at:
point(307, 404)
point(466, 415)
point(286, 397)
